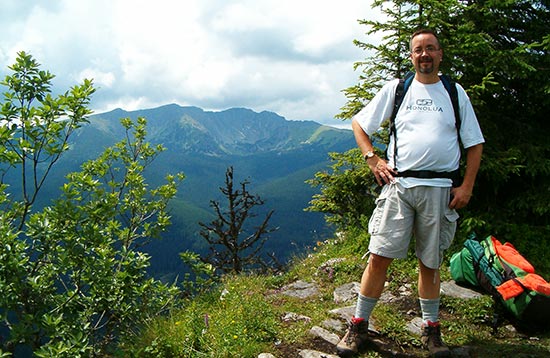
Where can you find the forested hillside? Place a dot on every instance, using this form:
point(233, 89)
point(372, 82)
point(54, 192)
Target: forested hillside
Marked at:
point(276, 155)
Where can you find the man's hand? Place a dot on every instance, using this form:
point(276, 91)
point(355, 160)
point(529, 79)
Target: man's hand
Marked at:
point(460, 197)
point(462, 194)
point(383, 173)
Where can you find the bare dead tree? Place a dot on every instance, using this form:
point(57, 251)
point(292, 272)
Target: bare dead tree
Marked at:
point(232, 247)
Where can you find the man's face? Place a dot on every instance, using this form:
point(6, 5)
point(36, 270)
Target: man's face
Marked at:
point(426, 54)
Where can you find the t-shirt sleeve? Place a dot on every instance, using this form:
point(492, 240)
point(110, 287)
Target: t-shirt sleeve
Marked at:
point(371, 117)
point(470, 131)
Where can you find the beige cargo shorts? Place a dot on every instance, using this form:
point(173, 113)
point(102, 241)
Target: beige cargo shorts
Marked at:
point(422, 211)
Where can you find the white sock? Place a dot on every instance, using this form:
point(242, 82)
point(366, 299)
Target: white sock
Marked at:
point(365, 306)
point(430, 309)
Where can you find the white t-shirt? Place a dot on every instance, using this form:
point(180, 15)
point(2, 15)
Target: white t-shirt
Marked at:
point(425, 126)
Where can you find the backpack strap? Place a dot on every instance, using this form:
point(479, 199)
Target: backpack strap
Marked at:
point(450, 86)
point(402, 87)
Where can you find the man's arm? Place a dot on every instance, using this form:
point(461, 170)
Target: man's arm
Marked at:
point(379, 167)
point(463, 193)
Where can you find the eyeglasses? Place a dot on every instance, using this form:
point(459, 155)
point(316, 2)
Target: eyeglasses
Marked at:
point(429, 49)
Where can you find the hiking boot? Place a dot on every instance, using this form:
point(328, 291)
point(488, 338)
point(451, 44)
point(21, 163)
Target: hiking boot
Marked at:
point(431, 340)
point(354, 338)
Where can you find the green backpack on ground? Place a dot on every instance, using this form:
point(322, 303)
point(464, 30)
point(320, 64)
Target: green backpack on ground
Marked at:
point(500, 270)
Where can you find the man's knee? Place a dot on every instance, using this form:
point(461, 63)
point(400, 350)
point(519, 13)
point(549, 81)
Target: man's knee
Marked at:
point(374, 276)
point(379, 263)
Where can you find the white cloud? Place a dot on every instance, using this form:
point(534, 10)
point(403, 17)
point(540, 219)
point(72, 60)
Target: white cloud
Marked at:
point(101, 79)
point(292, 57)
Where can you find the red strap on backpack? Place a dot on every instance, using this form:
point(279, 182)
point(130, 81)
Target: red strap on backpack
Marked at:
point(509, 253)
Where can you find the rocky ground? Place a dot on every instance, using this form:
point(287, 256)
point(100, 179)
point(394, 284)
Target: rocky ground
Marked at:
point(324, 337)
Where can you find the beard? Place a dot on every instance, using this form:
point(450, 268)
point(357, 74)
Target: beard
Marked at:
point(425, 64)
point(422, 68)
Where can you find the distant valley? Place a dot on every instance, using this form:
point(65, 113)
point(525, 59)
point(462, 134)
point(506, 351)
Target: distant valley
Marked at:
point(274, 154)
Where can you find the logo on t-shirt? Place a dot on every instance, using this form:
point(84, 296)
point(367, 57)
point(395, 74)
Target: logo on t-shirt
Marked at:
point(424, 105)
point(424, 102)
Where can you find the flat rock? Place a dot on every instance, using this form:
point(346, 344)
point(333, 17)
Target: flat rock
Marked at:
point(347, 292)
point(308, 353)
point(334, 325)
point(300, 289)
point(294, 317)
point(415, 326)
point(450, 288)
point(387, 297)
point(266, 355)
point(344, 313)
point(324, 334)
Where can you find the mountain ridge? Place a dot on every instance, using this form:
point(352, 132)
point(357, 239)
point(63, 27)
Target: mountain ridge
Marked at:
point(236, 131)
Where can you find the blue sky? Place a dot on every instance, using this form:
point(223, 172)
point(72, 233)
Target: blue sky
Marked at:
point(292, 57)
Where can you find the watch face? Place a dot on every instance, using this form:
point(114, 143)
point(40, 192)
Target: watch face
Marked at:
point(369, 155)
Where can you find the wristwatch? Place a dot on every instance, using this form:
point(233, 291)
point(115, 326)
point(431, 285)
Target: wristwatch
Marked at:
point(369, 154)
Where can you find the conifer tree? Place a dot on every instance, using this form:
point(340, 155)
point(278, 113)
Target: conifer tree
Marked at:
point(499, 52)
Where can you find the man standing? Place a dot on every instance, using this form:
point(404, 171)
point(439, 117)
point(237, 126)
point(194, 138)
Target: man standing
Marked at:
point(418, 194)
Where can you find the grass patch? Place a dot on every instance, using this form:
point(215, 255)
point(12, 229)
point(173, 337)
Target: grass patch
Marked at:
point(231, 320)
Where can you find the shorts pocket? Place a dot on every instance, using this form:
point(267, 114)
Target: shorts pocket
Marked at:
point(448, 229)
point(376, 217)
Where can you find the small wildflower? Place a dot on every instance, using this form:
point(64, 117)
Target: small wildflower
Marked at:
point(224, 293)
